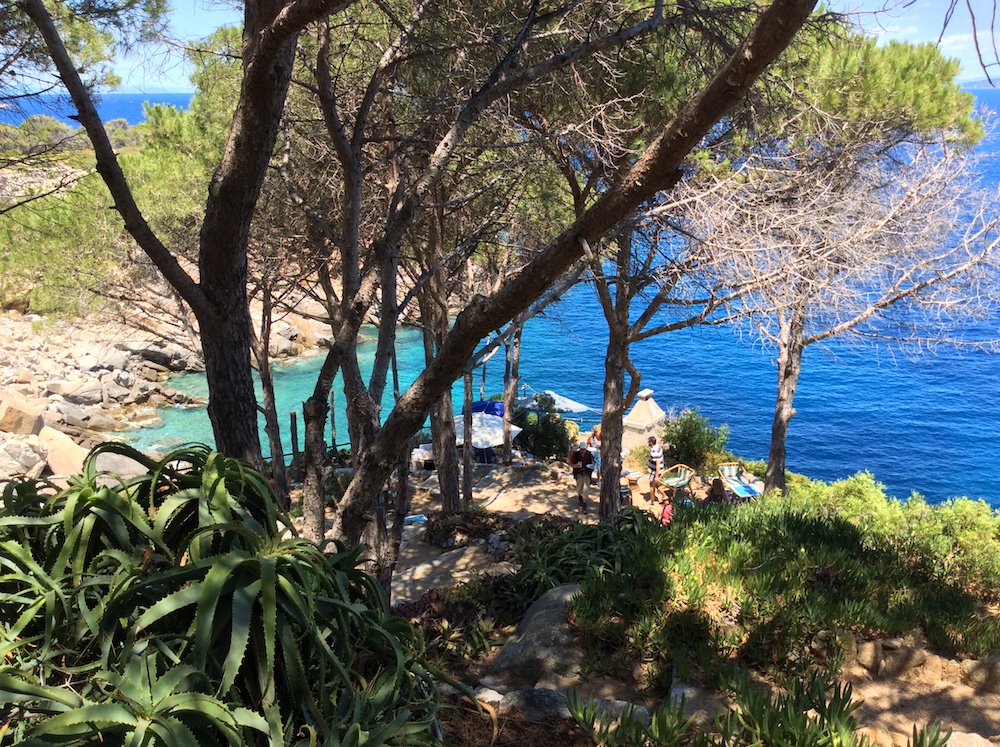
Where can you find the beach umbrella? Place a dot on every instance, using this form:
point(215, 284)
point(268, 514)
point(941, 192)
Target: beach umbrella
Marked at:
point(487, 430)
point(560, 403)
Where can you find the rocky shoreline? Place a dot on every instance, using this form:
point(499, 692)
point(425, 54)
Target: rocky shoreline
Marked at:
point(65, 388)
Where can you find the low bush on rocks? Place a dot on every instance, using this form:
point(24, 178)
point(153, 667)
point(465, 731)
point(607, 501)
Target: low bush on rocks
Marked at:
point(783, 588)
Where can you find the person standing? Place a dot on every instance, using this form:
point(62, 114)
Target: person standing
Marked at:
point(655, 467)
point(582, 462)
point(594, 446)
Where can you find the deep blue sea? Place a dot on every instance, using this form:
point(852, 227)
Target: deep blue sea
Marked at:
point(929, 425)
point(127, 106)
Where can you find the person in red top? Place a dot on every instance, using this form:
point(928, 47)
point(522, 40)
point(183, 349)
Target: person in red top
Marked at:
point(667, 515)
point(582, 462)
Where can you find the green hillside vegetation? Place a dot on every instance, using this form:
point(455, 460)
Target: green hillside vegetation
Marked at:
point(179, 605)
point(67, 252)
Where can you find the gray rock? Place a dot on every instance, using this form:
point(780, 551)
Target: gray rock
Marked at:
point(89, 392)
point(898, 661)
point(62, 387)
point(487, 695)
point(616, 708)
point(279, 347)
point(286, 330)
point(124, 378)
point(114, 358)
point(88, 363)
point(119, 465)
point(20, 455)
point(68, 413)
point(982, 674)
point(544, 644)
point(148, 351)
point(870, 655)
point(536, 705)
point(113, 392)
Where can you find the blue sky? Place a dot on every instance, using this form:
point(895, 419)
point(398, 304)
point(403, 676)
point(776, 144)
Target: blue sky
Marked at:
point(922, 20)
point(157, 68)
point(162, 68)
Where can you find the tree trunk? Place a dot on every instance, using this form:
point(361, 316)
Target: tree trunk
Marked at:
point(272, 427)
point(445, 453)
point(511, 381)
point(467, 427)
point(790, 348)
point(232, 402)
point(611, 422)
point(314, 413)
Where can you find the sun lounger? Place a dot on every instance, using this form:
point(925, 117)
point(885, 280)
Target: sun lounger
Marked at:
point(738, 481)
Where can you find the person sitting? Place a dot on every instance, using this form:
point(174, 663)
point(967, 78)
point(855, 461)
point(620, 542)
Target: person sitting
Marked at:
point(667, 515)
point(717, 493)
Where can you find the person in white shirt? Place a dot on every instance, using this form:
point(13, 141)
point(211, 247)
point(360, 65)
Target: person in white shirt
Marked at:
point(655, 468)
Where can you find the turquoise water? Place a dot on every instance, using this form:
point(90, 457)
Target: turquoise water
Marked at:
point(928, 425)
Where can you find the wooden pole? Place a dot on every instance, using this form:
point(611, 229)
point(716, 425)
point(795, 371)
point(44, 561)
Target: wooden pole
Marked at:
point(333, 430)
point(296, 460)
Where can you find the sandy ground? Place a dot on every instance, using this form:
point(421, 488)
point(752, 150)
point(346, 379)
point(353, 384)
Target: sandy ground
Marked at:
point(887, 705)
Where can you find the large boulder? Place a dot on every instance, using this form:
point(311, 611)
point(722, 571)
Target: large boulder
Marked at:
point(64, 456)
point(18, 416)
point(544, 647)
point(21, 455)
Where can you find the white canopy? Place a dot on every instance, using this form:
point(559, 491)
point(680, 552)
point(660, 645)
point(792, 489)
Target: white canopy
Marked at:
point(562, 404)
point(487, 430)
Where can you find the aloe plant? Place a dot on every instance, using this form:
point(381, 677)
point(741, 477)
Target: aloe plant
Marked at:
point(180, 607)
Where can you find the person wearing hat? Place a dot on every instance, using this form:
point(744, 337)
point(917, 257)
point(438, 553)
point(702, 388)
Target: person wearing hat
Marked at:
point(582, 462)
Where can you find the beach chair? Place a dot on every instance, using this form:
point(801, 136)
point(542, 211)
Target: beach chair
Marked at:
point(736, 480)
point(677, 477)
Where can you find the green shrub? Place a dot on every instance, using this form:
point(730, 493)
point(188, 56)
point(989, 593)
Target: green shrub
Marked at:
point(690, 439)
point(545, 434)
point(181, 602)
point(638, 458)
point(762, 585)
